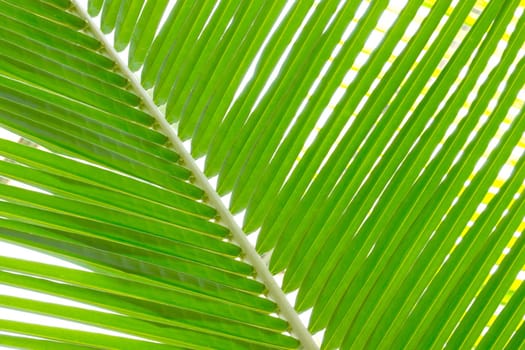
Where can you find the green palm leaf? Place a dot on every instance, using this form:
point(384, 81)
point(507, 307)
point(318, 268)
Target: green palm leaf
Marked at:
point(374, 148)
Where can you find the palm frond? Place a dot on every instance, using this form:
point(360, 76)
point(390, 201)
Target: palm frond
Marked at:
point(376, 148)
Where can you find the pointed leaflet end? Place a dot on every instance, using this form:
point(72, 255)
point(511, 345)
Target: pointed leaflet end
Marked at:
point(262, 245)
point(133, 64)
point(253, 219)
point(223, 187)
point(276, 266)
point(183, 131)
point(146, 79)
point(197, 151)
point(249, 224)
point(210, 170)
point(120, 45)
point(315, 326)
point(237, 204)
point(290, 284)
point(93, 10)
point(106, 29)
